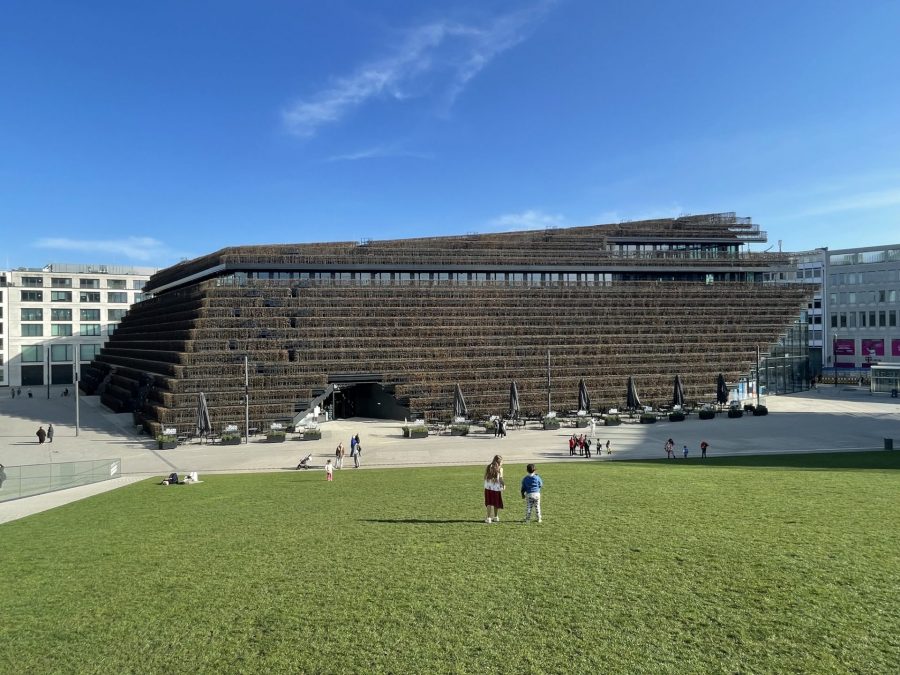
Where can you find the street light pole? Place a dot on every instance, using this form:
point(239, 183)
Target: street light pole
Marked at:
point(246, 400)
point(77, 400)
point(549, 405)
point(757, 376)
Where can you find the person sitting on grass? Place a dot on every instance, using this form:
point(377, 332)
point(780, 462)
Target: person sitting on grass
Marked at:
point(171, 480)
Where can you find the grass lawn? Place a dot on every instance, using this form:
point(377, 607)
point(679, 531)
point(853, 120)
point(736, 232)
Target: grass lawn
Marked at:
point(738, 565)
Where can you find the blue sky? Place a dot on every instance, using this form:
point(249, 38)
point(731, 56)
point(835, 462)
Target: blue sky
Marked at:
point(146, 132)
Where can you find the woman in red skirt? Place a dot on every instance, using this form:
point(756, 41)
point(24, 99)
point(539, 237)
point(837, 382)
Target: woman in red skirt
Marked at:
point(493, 489)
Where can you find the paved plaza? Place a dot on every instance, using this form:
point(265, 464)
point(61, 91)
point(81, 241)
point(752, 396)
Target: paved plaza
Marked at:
point(828, 419)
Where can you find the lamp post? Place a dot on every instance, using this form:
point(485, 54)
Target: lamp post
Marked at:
point(757, 376)
point(48, 372)
point(246, 400)
point(77, 399)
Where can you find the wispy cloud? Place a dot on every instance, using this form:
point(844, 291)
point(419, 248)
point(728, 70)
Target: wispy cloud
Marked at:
point(860, 201)
point(526, 220)
point(144, 249)
point(450, 51)
point(377, 152)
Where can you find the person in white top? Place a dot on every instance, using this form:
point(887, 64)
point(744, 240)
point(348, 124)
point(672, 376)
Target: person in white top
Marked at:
point(493, 489)
point(329, 470)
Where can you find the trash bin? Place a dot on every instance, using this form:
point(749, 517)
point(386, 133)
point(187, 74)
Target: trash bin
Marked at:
point(893, 393)
point(888, 443)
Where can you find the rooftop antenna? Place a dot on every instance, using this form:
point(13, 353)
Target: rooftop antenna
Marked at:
point(779, 245)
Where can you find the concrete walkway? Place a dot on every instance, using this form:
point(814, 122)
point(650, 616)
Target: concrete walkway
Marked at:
point(830, 419)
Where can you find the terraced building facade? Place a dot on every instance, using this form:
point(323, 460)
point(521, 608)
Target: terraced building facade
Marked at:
point(395, 325)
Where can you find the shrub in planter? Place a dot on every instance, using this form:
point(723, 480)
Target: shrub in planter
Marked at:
point(612, 420)
point(676, 416)
point(459, 429)
point(760, 410)
point(420, 431)
point(734, 413)
point(230, 439)
point(551, 423)
point(275, 436)
point(707, 414)
point(749, 407)
point(490, 426)
point(312, 434)
point(166, 442)
point(581, 421)
point(648, 418)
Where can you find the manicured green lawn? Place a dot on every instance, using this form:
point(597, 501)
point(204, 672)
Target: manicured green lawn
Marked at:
point(672, 567)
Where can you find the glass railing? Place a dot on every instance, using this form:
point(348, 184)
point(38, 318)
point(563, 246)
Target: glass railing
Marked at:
point(35, 479)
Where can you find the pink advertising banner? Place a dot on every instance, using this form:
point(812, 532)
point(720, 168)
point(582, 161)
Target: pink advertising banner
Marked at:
point(895, 347)
point(844, 347)
point(873, 347)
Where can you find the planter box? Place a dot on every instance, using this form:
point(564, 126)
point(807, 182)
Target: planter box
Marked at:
point(418, 434)
point(275, 439)
point(676, 417)
point(167, 445)
point(760, 410)
point(612, 420)
point(315, 436)
point(648, 419)
point(459, 432)
point(231, 441)
point(582, 422)
point(706, 414)
point(551, 426)
point(734, 413)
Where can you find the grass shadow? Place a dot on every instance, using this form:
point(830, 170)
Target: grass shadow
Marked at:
point(877, 459)
point(419, 521)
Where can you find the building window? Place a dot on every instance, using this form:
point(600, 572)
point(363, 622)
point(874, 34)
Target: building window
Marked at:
point(892, 296)
point(32, 296)
point(862, 319)
point(118, 284)
point(90, 283)
point(32, 353)
point(32, 330)
point(871, 319)
point(88, 352)
point(60, 314)
point(60, 282)
point(111, 328)
point(892, 318)
point(90, 329)
point(60, 296)
point(61, 352)
point(882, 319)
point(89, 314)
point(138, 284)
point(116, 314)
point(61, 329)
point(882, 296)
point(37, 282)
point(834, 320)
point(852, 320)
point(138, 297)
point(89, 296)
point(843, 320)
point(117, 297)
point(32, 314)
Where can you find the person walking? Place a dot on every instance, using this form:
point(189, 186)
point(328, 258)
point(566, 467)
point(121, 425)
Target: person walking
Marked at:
point(50, 433)
point(572, 443)
point(502, 428)
point(587, 448)
point(685, 452)
point(41, 434)
point(531, 493)
point(329, 471)
point(497, 427)
point(670, 449)
point(703, 446)
point(339, 456)
point(493, 489)
point(608, 449)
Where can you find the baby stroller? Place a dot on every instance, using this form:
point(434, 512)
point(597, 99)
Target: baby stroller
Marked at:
point(304, 463)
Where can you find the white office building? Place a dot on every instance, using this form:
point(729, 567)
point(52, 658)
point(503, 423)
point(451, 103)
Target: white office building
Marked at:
point(61, 315)
point(862, 288)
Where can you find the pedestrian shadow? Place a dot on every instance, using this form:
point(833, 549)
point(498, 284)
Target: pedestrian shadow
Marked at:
point(418, 521)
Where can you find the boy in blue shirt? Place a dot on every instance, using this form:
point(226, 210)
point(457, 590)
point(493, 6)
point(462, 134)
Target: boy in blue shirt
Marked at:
point(531, 493)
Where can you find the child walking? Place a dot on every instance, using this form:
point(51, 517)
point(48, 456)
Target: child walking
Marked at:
point(531, 493)
point(329, 470)
point(493, 489)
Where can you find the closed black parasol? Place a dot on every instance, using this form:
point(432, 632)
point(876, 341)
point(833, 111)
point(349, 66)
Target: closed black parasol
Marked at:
point(459, 404)
point(513, 400)
point(633, 400)
point(721, 390)
point(678, 393)
point(584, 401)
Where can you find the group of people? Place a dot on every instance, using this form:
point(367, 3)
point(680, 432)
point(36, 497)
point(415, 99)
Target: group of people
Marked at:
point(500, 428)
point(45, 435)
point(340, 452)
point(13, 392)
point(189, 477)
point(669, 447)
point(582, 446)
point(494, 485)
